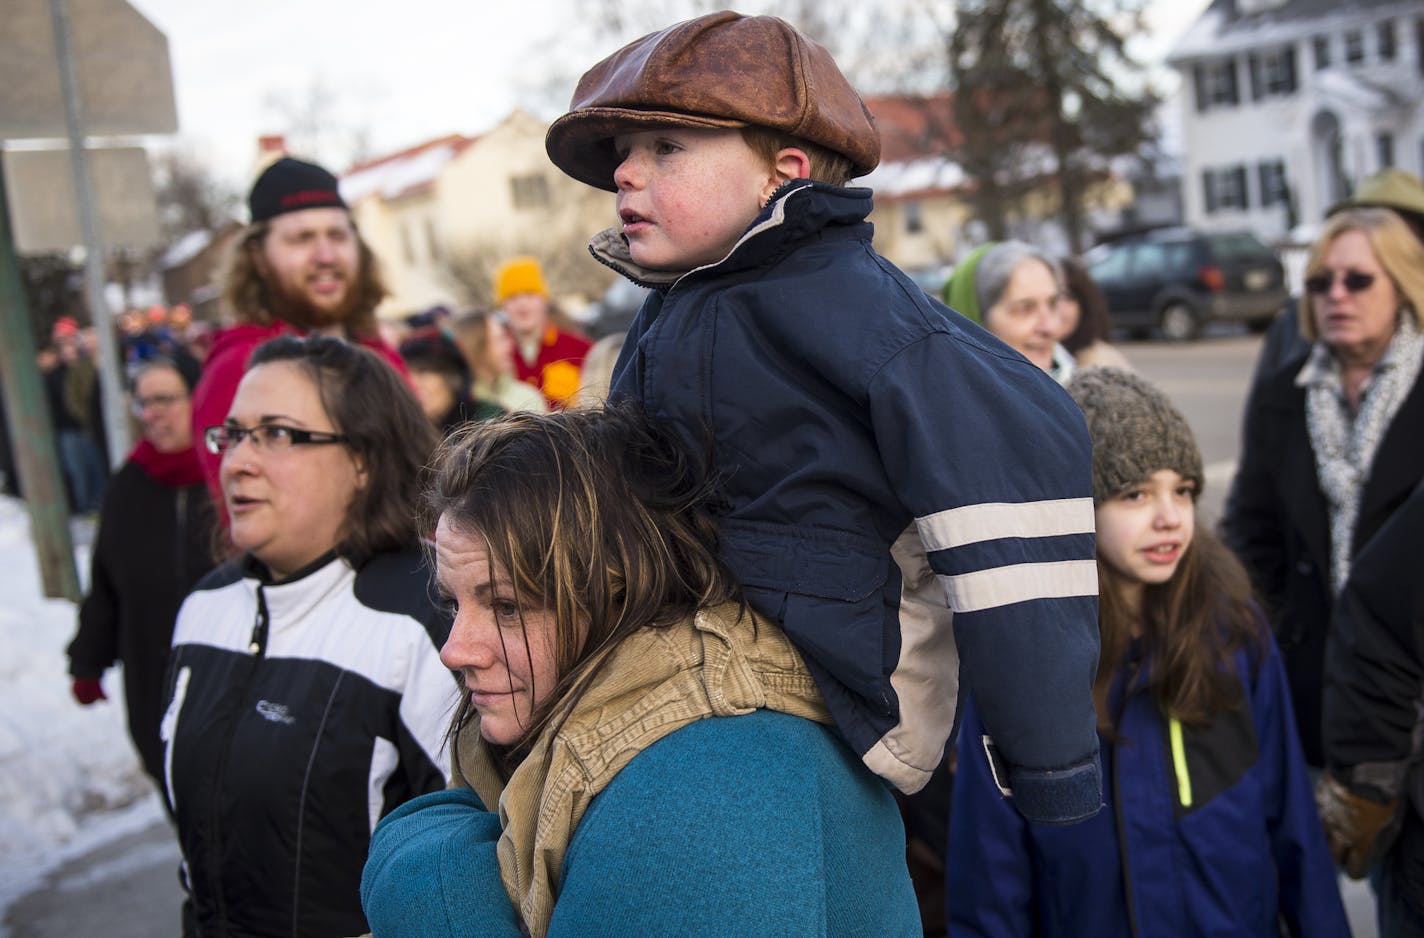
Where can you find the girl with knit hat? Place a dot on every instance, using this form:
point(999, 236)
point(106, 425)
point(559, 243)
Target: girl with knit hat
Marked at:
point(1209, 824)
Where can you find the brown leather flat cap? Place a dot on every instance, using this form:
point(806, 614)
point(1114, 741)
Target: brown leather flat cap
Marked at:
point(719, 70)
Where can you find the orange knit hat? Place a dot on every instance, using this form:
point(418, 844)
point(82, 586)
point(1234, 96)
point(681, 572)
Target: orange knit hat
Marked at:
point(520, 275)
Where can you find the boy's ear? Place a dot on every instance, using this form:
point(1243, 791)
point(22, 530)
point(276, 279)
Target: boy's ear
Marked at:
point(791, 163)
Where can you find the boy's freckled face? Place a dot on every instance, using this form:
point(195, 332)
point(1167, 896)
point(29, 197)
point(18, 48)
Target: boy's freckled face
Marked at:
point(686, 195)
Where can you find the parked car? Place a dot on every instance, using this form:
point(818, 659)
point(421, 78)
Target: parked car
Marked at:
point(1178, 280)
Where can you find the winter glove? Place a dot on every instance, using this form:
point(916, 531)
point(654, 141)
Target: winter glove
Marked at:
point(1353, 824)
point(86, 690)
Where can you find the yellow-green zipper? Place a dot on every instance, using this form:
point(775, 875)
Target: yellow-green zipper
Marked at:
point(1179, 761)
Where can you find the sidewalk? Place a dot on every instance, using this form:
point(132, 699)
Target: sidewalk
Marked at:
point(125, 888)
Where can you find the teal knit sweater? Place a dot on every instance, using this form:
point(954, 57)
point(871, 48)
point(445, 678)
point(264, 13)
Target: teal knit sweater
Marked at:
point(756, 825)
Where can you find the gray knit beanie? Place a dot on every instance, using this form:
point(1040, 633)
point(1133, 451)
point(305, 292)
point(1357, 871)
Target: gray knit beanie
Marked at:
point(1135, 429)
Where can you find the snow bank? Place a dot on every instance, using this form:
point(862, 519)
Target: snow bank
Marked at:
point(68, 774)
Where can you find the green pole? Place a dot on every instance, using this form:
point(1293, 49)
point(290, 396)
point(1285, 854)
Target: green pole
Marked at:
point(31, 433)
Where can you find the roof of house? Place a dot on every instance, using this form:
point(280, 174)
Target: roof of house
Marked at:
point(404, 173)
point(1228, 26)
point(914, 126)
point(917, 133)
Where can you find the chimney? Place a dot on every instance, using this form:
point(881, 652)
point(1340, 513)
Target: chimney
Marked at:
point(270, 148)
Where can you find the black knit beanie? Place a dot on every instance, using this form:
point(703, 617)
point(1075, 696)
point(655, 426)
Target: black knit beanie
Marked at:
point(290, 185)
point(1135, 429)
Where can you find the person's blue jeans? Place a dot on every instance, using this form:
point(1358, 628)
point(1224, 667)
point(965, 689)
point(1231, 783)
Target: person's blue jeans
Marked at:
point(84, 467)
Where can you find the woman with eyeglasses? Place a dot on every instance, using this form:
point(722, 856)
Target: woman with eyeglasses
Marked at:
point(306, 694)
point(1331, 445)
point(154, 542)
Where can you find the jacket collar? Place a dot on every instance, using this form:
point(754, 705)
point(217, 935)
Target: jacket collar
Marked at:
point(291, 598)
point(798, 209)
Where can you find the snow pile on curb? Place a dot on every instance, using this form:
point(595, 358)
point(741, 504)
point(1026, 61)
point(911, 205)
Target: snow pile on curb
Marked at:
point(65, 770)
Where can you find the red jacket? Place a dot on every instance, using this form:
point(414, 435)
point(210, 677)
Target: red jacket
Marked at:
point(555, 370)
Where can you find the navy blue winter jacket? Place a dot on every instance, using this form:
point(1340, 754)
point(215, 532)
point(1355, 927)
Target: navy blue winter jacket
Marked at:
point(1209, 830)
point(846, 406)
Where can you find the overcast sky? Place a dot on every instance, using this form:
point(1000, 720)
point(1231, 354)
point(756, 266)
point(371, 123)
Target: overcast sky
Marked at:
point(401, 70)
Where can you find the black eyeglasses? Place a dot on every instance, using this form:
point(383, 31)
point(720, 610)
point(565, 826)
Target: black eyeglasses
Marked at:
point(1354, 281)
point(273, 437)
point(163, 401)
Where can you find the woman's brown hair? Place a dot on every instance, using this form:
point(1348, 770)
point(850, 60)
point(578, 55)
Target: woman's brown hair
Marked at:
point(598, 517)
point(385, 429)
point(1093, 323)
point(1192, 627)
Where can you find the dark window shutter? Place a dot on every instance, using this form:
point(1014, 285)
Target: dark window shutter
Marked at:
point(1289, 64)
point(1209, 190)
point(1254, 63)
point(1199, 79)
point(1233, 94)
point(1239, 180)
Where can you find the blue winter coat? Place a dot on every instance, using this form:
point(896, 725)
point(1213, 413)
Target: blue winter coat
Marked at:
point(753, 825)
point(1213, 833)
point(843, 405)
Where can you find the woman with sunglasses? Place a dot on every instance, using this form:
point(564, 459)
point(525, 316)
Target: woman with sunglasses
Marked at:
point(1331, 444)
point(306, 694)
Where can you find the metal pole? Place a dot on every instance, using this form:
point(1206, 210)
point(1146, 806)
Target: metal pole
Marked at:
point(31, 433)
point(116, 424)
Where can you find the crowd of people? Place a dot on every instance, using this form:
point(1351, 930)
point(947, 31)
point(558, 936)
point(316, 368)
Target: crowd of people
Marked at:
point(473, 627)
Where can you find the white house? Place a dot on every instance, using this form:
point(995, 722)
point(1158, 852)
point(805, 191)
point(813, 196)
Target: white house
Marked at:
point(1287, 104)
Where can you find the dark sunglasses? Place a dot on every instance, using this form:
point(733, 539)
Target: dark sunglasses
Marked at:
point(1353, 280)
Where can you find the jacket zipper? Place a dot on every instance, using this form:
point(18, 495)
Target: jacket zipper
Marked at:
point(181, 541)
point(257, 646)
point(1179, 761)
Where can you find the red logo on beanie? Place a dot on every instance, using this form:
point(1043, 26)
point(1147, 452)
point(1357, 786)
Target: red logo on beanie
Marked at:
point(308, 197)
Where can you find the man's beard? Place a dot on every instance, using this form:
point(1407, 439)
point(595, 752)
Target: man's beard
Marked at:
point(295, 307)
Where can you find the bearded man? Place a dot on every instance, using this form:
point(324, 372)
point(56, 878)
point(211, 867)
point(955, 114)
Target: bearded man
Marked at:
point(300, 267)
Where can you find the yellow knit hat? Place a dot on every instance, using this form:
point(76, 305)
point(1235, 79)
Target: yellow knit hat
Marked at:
point(521, 275)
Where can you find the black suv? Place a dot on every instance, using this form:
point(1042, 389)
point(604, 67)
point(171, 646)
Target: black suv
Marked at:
point(1178, 280)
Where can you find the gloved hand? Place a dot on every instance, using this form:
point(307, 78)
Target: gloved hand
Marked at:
point(86, 690)
point(1353, 823)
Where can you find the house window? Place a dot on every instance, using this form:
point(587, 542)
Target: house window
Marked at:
point(1384, 150)
point(1272, 73)
point(529, 192)
point(1225, 189)
point(1221, 83)
point(432, 243)
point(914, 218)
point(1386, 41)
point(1216, 85)
point(1354, 47)
point(1322, 52)
point(1271, 174)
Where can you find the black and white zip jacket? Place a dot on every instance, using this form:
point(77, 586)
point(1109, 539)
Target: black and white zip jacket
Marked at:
point(299, 714)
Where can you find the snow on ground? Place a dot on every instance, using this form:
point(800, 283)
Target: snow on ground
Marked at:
point(69, 778)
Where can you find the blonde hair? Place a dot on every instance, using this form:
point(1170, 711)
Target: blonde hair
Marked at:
point(1399, 252)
